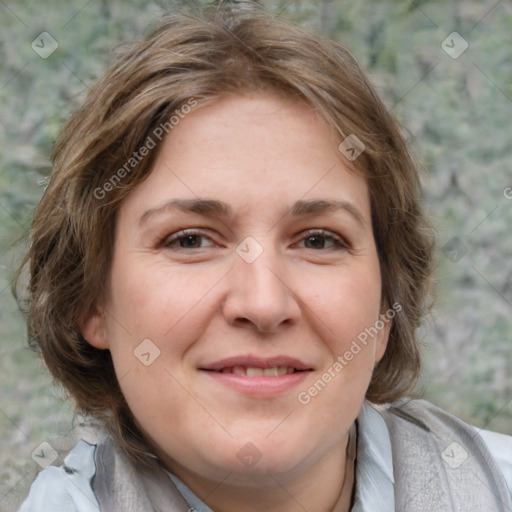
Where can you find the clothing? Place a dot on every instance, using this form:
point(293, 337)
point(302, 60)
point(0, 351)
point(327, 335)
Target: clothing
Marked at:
point(440, 463)
point(412, 457)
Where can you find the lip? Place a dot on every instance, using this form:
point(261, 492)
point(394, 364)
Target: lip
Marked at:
point(262, 386)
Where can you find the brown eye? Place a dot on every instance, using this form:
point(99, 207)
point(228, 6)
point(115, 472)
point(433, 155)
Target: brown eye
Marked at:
point(322, 240)
point(188, 240)
point(315, 242)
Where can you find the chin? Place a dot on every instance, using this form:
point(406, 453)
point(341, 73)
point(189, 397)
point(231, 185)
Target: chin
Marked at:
point(278, 465)
point(276, 454)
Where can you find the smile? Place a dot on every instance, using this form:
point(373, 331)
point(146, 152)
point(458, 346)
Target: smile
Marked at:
point(258, 377)
point(254, 371)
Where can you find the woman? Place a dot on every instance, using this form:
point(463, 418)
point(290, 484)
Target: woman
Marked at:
point(227, 269)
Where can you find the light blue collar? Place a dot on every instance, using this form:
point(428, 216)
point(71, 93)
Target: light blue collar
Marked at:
point(374, 468)
point(374, 462)
point(195, 503)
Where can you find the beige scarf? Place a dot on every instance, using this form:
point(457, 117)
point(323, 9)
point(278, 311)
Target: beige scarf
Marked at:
point(121, 486)
point(423, 438)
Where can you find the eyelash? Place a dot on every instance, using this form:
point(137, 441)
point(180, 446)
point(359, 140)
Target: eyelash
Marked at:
point(169, 241)
point(338, 242)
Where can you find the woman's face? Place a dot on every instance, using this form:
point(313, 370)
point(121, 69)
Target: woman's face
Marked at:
point(244, 269)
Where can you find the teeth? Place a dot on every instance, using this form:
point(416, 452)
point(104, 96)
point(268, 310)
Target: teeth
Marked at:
point(275, 371)
point(254, 372)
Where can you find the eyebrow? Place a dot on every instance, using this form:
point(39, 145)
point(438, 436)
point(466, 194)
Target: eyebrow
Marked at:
point(213, 207)
point(322, 206)
point(210, 207)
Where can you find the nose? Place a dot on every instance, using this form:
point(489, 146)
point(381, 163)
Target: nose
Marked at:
point(260, 295)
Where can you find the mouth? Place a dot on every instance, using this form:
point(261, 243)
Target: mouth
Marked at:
point(252, 366)
point(254, 371)
point(258, 377)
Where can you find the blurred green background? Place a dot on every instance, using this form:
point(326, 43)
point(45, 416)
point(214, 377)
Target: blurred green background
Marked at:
point(457, 113)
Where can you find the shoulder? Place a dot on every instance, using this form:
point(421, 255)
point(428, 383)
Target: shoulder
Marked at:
point(66, 488)
point(500, 446)
point(459, 444)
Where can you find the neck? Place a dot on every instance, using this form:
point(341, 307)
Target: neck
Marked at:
point(315, 488)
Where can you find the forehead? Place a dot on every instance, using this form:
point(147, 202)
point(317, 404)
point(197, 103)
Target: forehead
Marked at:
point(252, 151)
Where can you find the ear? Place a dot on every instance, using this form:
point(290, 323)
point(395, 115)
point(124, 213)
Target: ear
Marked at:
point(93, 328)
point(381, 342)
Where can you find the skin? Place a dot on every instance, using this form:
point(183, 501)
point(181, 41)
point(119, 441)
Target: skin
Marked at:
point(198, 301)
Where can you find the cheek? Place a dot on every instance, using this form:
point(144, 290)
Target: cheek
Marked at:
point(348, 304)
point(158, 300)
point(345, 314)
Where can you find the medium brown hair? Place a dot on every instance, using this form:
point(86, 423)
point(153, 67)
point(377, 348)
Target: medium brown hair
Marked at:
point(200, 58)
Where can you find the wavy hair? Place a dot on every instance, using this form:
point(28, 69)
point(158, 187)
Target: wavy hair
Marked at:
point(205, 56)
